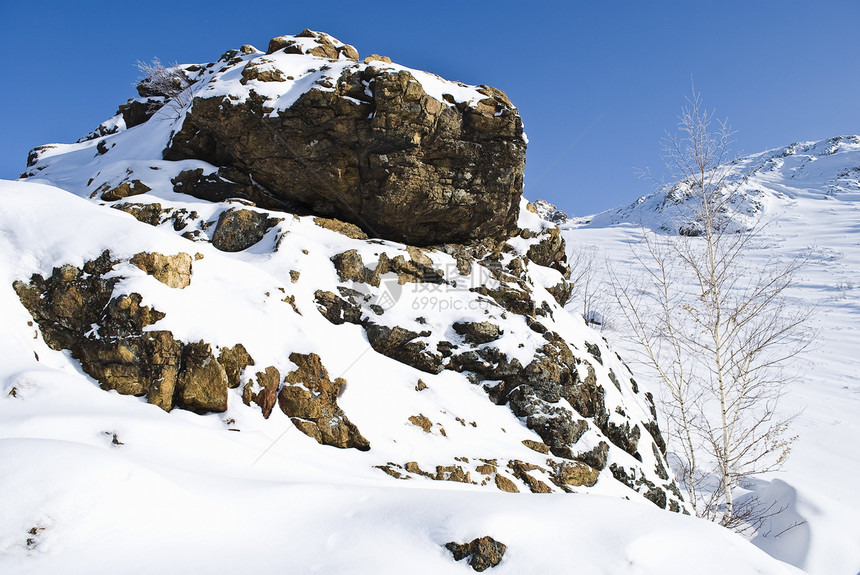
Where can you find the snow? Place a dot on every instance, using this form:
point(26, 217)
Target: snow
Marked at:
point(809, 195)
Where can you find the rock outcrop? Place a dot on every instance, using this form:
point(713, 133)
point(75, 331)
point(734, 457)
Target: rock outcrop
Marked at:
point(314, 163)
point(77, 310)
point(366, 144)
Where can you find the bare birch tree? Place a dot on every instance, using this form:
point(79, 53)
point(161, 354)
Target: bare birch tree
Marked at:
point(587, 293)
point(716, 333)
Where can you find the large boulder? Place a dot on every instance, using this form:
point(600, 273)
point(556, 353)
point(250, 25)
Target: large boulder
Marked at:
point(403, 154)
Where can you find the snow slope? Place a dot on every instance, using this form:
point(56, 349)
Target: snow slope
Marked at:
point(99, 482)
point(810, 195)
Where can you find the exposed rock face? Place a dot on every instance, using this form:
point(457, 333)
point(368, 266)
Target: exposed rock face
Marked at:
point(369, 146)
point(76, 310)
point(483, 552)
point(310, 400)
point(173, 271)
point(557, 393)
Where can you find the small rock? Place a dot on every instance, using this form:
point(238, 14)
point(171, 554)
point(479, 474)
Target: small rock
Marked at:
point(483, 553)
point(421, 421)
point(124, 190)
point(173, 271)
point(478, 333)
point(238, 230)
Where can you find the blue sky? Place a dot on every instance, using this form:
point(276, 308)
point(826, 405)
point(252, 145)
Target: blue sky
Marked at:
point(597, 83)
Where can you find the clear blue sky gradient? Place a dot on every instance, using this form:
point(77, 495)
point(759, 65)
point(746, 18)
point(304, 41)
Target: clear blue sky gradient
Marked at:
point(597, 83)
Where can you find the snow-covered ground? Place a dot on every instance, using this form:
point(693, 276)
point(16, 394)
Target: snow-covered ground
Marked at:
point(92, 481)
point(810, 195)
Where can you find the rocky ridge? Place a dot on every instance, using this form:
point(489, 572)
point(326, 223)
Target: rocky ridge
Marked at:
point(473, 298)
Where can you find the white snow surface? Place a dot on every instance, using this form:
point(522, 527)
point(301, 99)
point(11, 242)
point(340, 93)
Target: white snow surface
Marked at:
point(230, 491)
point(808, 195)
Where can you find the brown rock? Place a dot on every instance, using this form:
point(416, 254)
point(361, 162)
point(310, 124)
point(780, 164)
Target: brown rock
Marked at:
point(421, 421)
point(202, 382)
point(309, 398)
point(478, 332)
point(415, 170)
point(399, 344)
point(252, 72)
point(345, 228)
point(147, 213)
point(538, 446)
point(452, 473)
point(576, 474)
point(266, 397)
point(505, 484)
point(350, 266)
point(377, 58)
point(173, 271)
point(239, 229)
point(234, 360)
point(124, 190)
point(483, 553)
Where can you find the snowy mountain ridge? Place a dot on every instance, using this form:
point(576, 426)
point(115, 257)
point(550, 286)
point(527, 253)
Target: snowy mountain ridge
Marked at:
point(827, 169)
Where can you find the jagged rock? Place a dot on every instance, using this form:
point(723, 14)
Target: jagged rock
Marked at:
point(173, 271)
point(549, 212)
point(124, 190)
point(235, 359)
point(321, 45)
point(452, 473)
point(211, 187)
point(416, 169)
point(260, 72)
point(538, 446)
point(421, 421)
point(147, 213)
point(264, 392)
point(398, 343)
point(350, 266)
point(596, 457)
point(336, 309)
point(576, 474)
point(239, 229)
point(138, 110)
point(557, 426)
point(377, 58)
point(202, 381)
point(478, 332)
point(521, 470)
point(550, 251)
point(309, 398)
point(483, 552)
point(76, 310)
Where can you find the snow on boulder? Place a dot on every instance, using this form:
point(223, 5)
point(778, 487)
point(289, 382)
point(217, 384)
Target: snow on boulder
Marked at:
point(401, 153)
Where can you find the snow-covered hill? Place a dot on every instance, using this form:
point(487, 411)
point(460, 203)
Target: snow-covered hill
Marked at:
point(201, 373)
point(808, 197)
